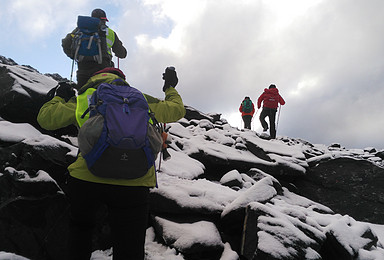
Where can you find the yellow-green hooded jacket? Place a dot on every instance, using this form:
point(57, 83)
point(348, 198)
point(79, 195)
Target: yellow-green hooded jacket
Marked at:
point(57, 113)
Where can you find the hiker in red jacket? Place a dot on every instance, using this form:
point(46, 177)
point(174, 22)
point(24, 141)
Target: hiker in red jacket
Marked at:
point(271, 99)
point(247, 110)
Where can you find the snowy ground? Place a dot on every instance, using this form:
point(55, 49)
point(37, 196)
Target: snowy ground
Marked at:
point(181, 171)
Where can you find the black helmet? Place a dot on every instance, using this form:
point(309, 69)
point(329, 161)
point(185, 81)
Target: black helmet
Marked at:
point(98, 13)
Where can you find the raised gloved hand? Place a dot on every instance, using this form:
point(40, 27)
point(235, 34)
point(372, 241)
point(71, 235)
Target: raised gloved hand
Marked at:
point(66, 90)
point(170, 78)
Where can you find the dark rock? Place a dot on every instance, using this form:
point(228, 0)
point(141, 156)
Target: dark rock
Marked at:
point(18, 106)
point(263, 224)
point(335, 247)
point(370, 150)
point(257, 151)
point(335, 145)
point(201, 248)
point(21, 104)
point(380, 154)
point(34, 217)
point(332, 249)
point(31, 215)
point(233, 217)
point(162, 205)
point(232, 179)
point(215, 166)
point(347, 186)
point(192, 113)
point(56, 77)
point(32, 158)
point(7, 61)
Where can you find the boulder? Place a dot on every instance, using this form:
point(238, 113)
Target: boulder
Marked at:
point(347, 186)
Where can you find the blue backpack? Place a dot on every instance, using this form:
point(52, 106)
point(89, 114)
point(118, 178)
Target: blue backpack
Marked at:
point(120, 139)
point(86, 42)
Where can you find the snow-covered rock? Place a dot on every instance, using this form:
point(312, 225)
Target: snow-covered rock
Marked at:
point(223, 194)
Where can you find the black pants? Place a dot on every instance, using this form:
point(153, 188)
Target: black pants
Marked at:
point(271, 114)
point(247, 121)
point(87, 68)
point(128, 217)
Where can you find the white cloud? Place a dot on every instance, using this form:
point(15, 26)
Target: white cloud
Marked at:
point(325, 56)
point(320, 54)
point(35, 20)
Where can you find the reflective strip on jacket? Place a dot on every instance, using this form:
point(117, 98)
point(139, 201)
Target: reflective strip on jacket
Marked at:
point(57, 113)
point(110, 37)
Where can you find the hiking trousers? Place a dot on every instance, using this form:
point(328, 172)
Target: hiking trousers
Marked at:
point(86, 69)
point(271, 114)
point(247, 121)
point(128, 218)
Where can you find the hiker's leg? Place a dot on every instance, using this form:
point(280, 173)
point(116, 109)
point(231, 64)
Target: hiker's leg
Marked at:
point(247, 121)
point(272, 118)
point(86, 71)
point(82, 78)
point(263, 114)
point(82, 219)
point(129, 221)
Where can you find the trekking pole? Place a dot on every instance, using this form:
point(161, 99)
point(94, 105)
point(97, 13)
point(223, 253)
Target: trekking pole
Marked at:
point(253, 124)
point(73, 63)
point(118, 62)
point(278, 117)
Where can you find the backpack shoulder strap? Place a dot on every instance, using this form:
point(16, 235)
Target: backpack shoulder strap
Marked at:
point(82, 106)
point(97, 79)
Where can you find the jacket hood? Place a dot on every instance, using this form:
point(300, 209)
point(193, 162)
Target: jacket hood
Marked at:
point(99, 78)
point(273, 91)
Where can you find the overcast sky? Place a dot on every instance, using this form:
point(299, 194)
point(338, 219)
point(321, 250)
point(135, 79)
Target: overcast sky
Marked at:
point(325, 56)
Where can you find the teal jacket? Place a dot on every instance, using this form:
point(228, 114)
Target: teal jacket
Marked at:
point(57, 113)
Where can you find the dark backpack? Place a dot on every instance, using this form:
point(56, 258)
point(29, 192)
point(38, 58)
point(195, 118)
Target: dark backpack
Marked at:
point(247, 105)
point(120, 139)
point(86, 43)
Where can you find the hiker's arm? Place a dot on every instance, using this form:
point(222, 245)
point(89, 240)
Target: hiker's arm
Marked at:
point(169, 110)
point(67, 42)
point(259, 100)
point(281, 100)
point(57, 113)
point(118, 48)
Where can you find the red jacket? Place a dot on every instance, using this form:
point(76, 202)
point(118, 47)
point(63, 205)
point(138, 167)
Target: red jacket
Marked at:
point(246, 114)
point(271, 98)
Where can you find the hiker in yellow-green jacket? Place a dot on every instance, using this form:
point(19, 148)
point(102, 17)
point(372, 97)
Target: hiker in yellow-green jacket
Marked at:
point(110, 44)
point(127, 200)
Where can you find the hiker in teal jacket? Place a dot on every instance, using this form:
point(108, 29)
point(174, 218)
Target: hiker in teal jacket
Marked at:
point(247, 109)
point(127, 200)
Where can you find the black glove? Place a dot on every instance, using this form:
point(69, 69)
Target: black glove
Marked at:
point(51, 93)
point(170, 78)
point(66, 90)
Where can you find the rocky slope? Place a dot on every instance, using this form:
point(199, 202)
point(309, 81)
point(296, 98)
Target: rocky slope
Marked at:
point(224, 194)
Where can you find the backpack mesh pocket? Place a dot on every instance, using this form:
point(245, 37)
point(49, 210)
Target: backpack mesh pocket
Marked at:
point(89, 133)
